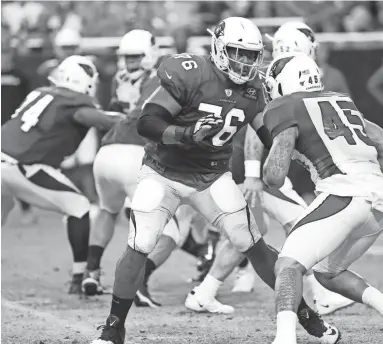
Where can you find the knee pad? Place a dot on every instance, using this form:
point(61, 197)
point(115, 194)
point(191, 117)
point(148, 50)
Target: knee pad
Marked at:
point(141, 202)
point(240, 228)
point(145, 229)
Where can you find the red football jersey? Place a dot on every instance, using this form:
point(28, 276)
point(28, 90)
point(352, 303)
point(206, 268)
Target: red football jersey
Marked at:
point(43, 130)
point(201, 89)
point(332, 139)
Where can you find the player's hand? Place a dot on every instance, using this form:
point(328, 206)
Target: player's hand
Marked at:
point(202, 128)
point(253, 191)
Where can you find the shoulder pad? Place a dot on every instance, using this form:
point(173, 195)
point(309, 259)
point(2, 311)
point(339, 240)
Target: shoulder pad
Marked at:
point(181, 73)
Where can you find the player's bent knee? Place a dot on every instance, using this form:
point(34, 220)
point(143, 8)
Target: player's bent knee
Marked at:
point(145, 230)
point(240, 228)
point(148, 195)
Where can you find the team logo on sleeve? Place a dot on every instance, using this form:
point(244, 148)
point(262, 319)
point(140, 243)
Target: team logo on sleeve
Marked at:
point(251, 93)
point(228, 92)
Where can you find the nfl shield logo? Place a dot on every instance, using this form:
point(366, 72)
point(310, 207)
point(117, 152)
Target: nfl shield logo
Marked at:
point(228, 92)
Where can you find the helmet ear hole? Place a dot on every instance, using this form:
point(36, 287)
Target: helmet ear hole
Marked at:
point(280, 89)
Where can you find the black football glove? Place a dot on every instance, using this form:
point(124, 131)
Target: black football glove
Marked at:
point(202, 128)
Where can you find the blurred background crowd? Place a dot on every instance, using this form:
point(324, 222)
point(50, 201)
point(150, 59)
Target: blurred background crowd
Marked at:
point(25, 19)
point(36, 35)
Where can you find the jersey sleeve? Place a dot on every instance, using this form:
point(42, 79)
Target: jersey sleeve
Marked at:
point(280, 115)
point(180, 76)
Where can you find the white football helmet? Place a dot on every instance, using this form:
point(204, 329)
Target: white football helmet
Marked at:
point(291, 73)
point(237, 48)
point(294, 37)
point(139, 52)
point(66, 43)
point(76, 73)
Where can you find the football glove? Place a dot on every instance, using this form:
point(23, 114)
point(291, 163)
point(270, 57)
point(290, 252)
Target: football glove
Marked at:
point(202, 128)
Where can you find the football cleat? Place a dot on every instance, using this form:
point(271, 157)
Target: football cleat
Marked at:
point(195, 303)
point(91, 284)
point(110, 333)
point(143, 298)
point(75, 284)
point(317, 327)
point(331, 303)
point(245, 279)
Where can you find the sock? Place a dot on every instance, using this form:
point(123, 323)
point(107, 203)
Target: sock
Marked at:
point(78, 235)
point(244, 263)
point(209, 287)
point(129, 274)
point(149, 269)
point(78, 268)
point(286, 327)
point(94, 257)
point(120, 308)
point(374, 298)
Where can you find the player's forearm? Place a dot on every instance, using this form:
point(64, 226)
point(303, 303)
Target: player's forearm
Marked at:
point(90, 117)
point(277, 164)
point(154, 124)
point(253, 154)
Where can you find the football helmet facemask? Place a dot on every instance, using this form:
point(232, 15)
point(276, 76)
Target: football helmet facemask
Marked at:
point(237, 49)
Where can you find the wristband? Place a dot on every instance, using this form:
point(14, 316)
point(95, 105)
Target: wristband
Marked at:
point(252, 168)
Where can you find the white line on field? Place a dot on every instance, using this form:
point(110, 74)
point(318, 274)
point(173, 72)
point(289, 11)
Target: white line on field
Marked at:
point(51, 319)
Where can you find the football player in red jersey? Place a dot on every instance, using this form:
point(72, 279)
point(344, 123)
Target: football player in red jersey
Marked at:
point(116, 178)
point(48, 126)
point(190, 119)
point(343, 152)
